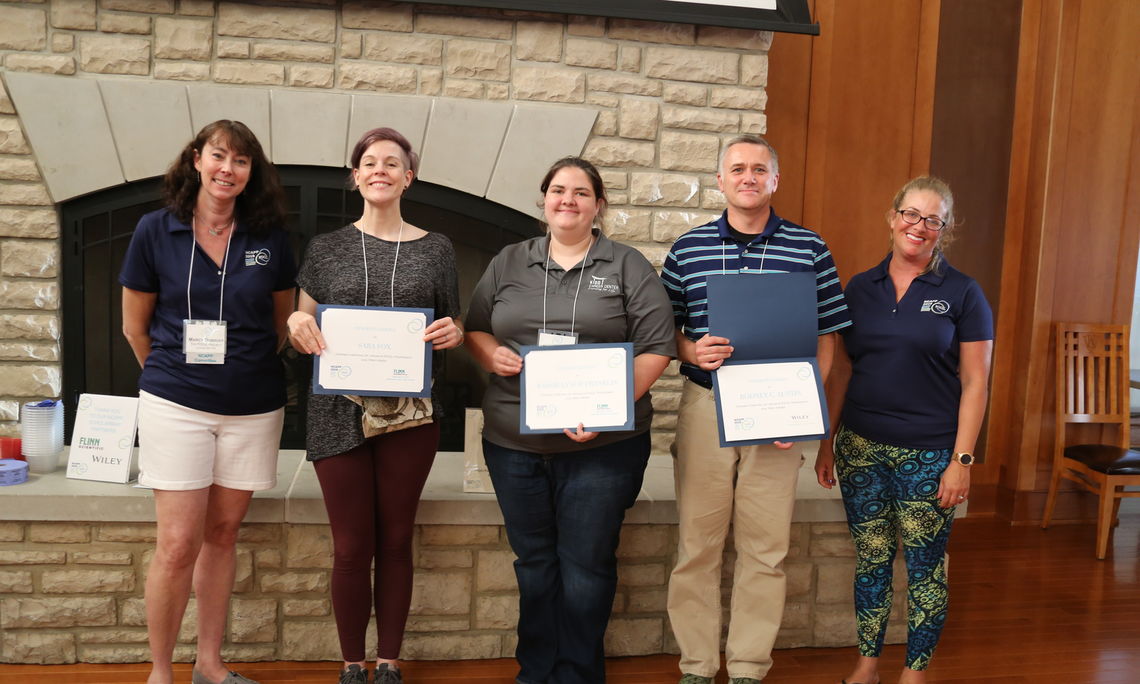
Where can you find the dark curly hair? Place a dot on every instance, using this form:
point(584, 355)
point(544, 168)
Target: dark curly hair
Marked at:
point(260, 207)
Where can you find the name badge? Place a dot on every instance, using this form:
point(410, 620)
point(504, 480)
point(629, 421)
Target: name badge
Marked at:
point(556, 338)
point(204, 341)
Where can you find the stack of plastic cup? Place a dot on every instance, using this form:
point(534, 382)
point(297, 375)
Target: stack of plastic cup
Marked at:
point(41, 431)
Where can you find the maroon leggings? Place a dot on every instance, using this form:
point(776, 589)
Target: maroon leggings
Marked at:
point(371, 494)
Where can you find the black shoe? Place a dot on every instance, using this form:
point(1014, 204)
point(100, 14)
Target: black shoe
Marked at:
point(387, 675)
point(353, 674)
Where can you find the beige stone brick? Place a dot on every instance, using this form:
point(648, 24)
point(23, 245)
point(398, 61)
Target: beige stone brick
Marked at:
point(259, 533)
point(29, 327)
point(380, 77)
point(249, 73)
point(459, 535)
point(700, 119)
point(738, 98)
point(441, 593)
point(243, 572)
point(26, 351)
point(183, 38)
point(40, 613)
point(124, 23)
point(231, 48)
point(430, 623)
point(606, 124)
point(32, 194)
point(753, 122)
point(497, 91)
point(712, 198)
point(552, 85)
point(62, 42)
point(253, 620)
point(431, 81)
point(113, 636)
point(313, 640)
point(116, 654)
point(87, 581)
point(151, 6)
point(73, 14)
point(743, 39)
point(645, 541)
point(305, 607)
point(666, 401)
point(628, 225)
point(580, 25)
point(196, 8)
point(125, 532)
point(496, 612)
point(15, 582)
point(638, 119)
point(471, 27)
point(619, 198)
point(622, 83)
point(29, 295)
point(114, 55)
point(295, 52)
point(664, 189)
point(182, 71)
point(670, 225)
point(43, 64)
point(634, 636)
point(100, 557)
point(38, 648)
point(754, 70)
point(618, 152)
point(689, 151)
point(267, 558)
point(478, 59)
point(434, 559)
point(311, 76)
point(18, 168)
point(30, 381)
point(596, 54)
point(452, 647)
point(287, 23)
point(495, 571)
point(31, 258)
point(11, 531)
point(833, 625)
point(652, 31)
point(59, 533)
point(379, 16)
point(630, 59)
point(404, 49)
point(665, 421)
point(294, 582)
point(682, 93)
point(351, 45)
point(308, 546)
point(641, 574)
point(703, 66)
point(615, 180)
point(132, 612)
point(11, 140)
point(646, 600)
point(5, 104)
point(462, 88)
point(22, 28)
point(539, 41)
point(608, 100)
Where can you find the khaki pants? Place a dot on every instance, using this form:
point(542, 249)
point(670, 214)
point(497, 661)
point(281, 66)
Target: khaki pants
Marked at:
point(754, 488)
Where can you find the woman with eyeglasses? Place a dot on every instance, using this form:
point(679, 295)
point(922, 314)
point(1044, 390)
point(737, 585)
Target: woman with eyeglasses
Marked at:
point(909, 417)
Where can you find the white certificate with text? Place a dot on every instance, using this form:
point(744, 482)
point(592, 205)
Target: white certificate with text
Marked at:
point(373, 351)
point(587, 384)
point(765, 401)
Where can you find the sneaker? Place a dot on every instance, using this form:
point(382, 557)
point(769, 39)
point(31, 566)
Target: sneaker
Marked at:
point(743, 680)
point(232, 678)
point(387, 675)
point(695, 679)
point(353, 674)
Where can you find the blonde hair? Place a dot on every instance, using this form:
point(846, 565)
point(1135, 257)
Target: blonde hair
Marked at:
point(946, 235)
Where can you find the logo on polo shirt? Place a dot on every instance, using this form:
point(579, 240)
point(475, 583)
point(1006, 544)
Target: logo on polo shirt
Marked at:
point(603, 284)
point(257, 257)
point(938, 306)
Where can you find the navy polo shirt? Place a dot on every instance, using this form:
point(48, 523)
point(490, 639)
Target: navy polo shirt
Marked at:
point(782, 247)
point(252, 380)
point(905, 388)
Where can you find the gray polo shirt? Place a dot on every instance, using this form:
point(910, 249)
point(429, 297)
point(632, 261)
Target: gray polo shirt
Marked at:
point(621, 299)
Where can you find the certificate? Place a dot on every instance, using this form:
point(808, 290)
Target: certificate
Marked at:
point(587, 384)
point(373, 351)
point(767, 401)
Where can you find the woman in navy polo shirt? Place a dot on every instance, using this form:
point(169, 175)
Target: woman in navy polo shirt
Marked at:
point(914, 402)
point(208, 283)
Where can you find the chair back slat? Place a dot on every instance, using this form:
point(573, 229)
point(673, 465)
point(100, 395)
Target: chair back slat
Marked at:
point(1092, 373)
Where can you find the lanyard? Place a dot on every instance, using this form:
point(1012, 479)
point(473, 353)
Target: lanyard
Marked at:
point(225, 266)
point(395, 260)
point(546, 279)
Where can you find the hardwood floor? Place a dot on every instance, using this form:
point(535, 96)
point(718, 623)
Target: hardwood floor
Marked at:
point(1027, 606)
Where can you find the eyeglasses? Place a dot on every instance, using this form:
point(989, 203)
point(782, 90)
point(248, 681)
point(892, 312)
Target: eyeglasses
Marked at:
point(913, 218)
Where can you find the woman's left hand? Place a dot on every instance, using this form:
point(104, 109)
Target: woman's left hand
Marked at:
point(955, 485)
point(580, 435)
point(444, 333)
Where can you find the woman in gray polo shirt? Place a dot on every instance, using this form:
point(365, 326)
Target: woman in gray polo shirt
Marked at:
point(564, 496)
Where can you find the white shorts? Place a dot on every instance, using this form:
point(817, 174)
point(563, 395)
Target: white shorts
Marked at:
point(182, 448)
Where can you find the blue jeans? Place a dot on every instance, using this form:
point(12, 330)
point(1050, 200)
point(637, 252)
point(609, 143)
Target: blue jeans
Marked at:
point(563, 515)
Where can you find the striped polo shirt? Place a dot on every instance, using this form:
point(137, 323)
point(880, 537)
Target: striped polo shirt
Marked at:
point(783, 247)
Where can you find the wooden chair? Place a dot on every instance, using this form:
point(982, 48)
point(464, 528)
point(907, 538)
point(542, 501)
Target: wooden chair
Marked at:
point(1092, 388)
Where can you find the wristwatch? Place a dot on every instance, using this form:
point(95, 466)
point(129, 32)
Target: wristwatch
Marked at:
point(965, 458)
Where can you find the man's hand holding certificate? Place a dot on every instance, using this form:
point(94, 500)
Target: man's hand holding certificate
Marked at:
point(373, 351)
point(582, 384)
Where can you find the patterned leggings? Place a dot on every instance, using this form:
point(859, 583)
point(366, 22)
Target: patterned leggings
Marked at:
point(889, 491)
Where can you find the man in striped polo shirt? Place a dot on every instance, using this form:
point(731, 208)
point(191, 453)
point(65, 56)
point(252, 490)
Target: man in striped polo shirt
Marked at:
point(753, 487)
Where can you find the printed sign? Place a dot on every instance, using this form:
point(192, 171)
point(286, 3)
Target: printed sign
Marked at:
point(103, 439)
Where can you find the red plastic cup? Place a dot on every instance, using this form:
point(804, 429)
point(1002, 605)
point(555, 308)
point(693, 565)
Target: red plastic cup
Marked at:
point(10, 448)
